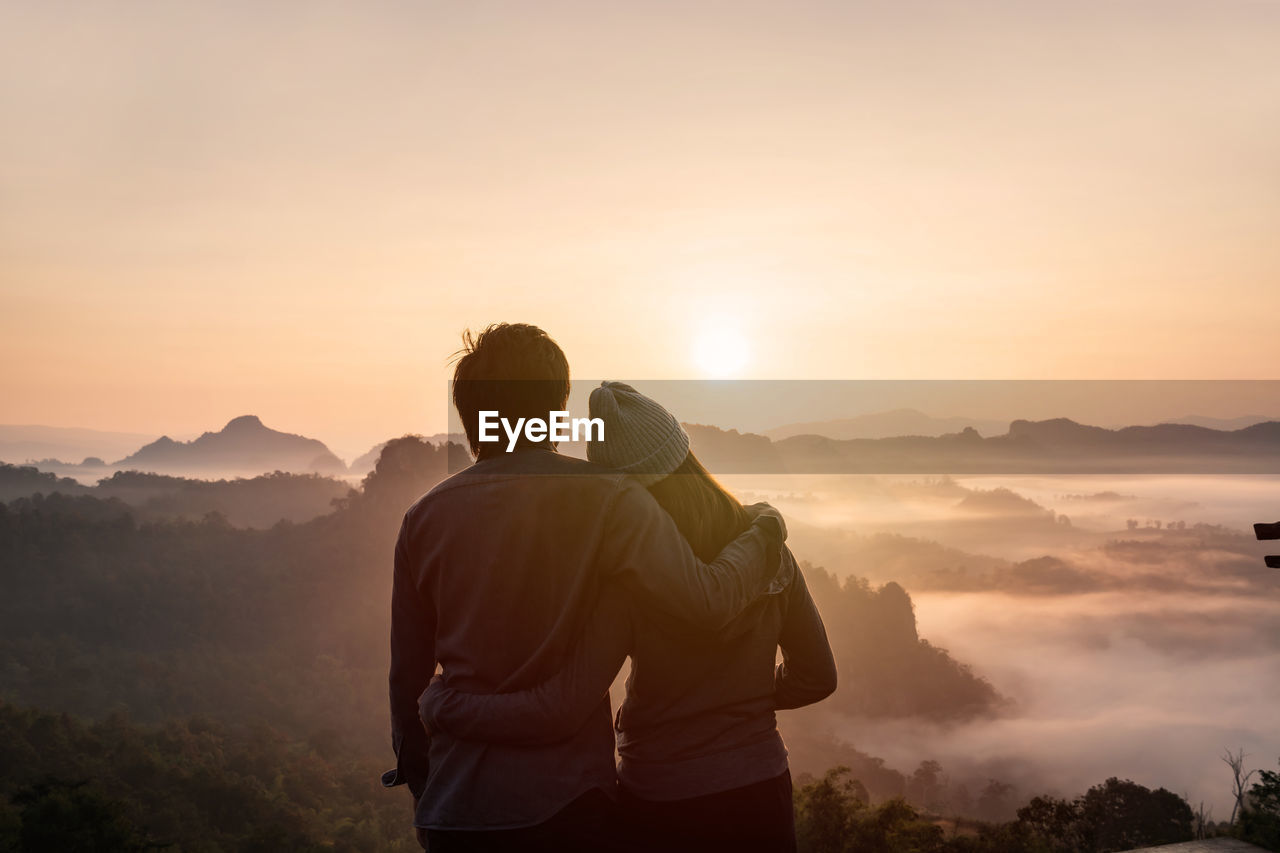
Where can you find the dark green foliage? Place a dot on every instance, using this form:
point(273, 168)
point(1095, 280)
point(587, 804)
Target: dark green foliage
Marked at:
point(995, 801)
point(54, 814)
point(1116, 815)
point(20, 481)
point(1259, 822)
point(190, 785)
point(244, 502)
point(832, 816)
point(1121, 815)
point(1056, 823)
point(826, 810)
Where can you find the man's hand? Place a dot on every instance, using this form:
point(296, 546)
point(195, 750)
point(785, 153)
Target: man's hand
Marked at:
point(765, 515)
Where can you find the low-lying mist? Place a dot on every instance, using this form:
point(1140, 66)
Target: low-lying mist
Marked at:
point(1129, 622)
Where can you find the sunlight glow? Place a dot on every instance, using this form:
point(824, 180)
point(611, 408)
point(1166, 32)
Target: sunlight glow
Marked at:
point(720, 351)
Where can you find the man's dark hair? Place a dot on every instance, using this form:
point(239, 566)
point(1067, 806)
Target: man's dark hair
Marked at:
point(514, 369)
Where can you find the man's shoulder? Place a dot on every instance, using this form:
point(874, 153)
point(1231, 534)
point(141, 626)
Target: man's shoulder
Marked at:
point(538, 471)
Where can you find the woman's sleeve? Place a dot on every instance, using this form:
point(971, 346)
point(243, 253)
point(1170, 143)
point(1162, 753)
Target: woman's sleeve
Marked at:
point(807, 673)
point(548, 712)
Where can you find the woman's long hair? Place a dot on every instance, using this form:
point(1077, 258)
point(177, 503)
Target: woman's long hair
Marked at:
point(707, 515)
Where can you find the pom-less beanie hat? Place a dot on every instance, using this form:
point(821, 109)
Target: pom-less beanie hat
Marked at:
point(640, 437)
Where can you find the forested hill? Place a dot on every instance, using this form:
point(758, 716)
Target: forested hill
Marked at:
point(188, 784)
point(244, 502)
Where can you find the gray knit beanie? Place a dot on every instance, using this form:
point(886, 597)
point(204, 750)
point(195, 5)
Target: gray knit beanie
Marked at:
point(640, 437)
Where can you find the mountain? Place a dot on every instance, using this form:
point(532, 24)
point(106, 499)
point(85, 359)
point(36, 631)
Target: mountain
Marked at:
point(365, 462)
point(1058, 445)
point(33, 442)
point(1221, 423)
point(897, 422)
point(244, 445)
point(731, 452)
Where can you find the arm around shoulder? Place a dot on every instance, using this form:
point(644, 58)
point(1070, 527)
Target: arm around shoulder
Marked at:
point(548, 712)
point(642, 545)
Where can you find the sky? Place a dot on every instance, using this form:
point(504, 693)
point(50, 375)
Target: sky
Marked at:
point(293, 209)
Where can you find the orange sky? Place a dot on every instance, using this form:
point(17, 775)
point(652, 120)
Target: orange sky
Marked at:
point(292, 209)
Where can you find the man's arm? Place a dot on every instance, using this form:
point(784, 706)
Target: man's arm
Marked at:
point(807, 673)
point(553, 710)
point(413, 661)
point(643, 546)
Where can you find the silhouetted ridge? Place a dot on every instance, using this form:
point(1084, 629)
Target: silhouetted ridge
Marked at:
point(245, 444)
point(889, 424)
point(1056, 429)
point(1267, 430)
point(1056, 445)
point(244, 422)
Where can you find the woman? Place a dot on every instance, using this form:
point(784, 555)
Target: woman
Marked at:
point(701, 763)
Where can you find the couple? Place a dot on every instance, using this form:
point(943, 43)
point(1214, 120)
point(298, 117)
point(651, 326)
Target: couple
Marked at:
point(530, 576)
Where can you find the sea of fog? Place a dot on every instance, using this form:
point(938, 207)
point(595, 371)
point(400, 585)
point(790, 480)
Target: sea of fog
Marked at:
point(1151, 680)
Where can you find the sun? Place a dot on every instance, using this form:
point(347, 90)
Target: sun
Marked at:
point(720, 351)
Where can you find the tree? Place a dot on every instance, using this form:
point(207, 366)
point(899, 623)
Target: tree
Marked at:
point(1260, 821)
point(55, 814)
point(1239, 779)
point(960, 800)
point(1116, 815)
point(1055, 823)
point(1203, 819)
point(894, 826)
point(826, 809)
point(1121, 814)
point(993, 802)
point(923, 786)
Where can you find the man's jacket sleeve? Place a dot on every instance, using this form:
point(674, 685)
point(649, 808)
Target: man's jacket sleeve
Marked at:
point(556, 708)
point(807, 673)
point(642, 545)
point(413, 661)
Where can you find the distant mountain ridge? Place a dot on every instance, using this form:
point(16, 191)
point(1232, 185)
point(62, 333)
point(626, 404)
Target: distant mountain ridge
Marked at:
point(244, 444)
point(889, 424)
point(21, 443)
point(1058, 445)
point(900, 423)
point(1228, 424)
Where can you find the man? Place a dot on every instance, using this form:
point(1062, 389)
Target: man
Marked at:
point(496, 571)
